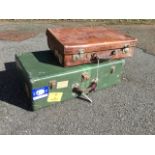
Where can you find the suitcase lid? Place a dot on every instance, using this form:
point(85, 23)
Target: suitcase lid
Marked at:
point(90, 39)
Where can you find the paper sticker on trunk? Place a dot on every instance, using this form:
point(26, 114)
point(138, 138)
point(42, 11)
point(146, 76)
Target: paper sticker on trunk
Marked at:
point(54, 97)
point(39, 93)
point(62, 84)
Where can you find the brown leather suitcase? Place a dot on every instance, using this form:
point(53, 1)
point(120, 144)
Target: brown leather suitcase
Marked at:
point(75, 46)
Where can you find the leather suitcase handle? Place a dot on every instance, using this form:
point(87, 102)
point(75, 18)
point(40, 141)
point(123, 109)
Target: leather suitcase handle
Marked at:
point(96, 57)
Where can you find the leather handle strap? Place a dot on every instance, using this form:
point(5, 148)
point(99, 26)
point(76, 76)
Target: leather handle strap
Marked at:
point(85, 92)
point(95, 57)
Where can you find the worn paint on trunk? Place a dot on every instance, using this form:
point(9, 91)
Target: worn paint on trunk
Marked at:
point(47, 82)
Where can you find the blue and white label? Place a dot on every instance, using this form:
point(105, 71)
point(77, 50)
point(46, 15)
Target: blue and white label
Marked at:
point(39, 93)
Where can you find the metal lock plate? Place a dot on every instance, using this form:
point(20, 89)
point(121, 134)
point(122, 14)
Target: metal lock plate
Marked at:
point(125, 49)
point(79, 55)
point(85, 76)
point(52, 84)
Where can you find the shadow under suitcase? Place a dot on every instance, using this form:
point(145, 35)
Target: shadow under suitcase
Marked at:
point(10, 88)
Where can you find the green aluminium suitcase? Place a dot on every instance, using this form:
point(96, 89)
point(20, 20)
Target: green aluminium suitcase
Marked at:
point(46, 82)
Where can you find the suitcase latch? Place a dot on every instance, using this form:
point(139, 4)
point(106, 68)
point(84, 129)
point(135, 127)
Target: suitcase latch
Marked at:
point(85, 76)
point(125, 49)
point(79, 55)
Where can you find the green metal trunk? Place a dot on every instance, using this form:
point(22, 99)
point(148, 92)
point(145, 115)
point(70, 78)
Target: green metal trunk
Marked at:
point(46, 82)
